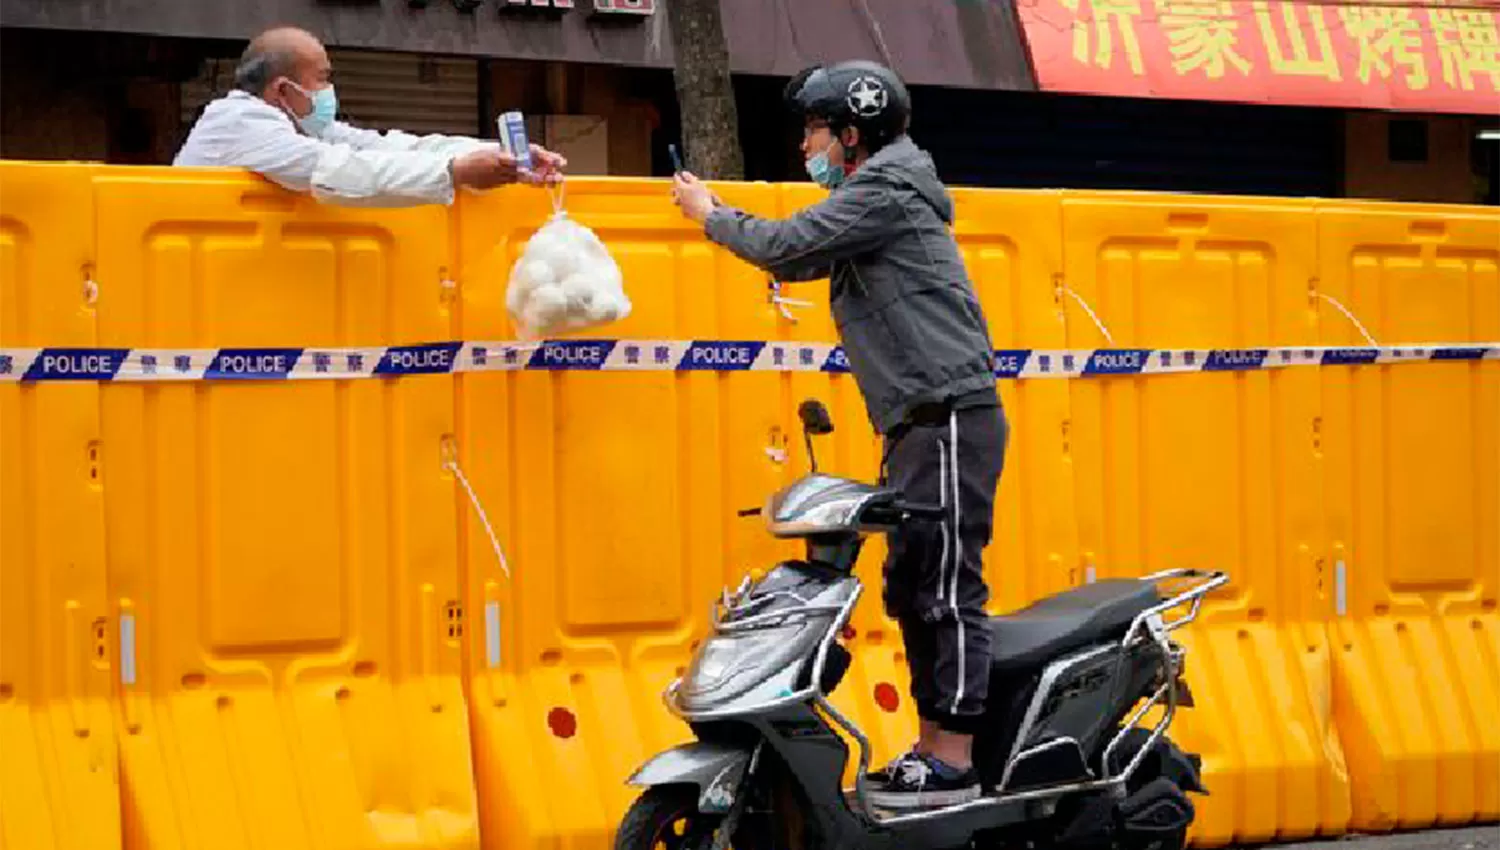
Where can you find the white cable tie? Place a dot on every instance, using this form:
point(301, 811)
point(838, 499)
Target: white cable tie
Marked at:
point(483, 518)
point(1085, 305)
point(1342, 309)
point(782, 302)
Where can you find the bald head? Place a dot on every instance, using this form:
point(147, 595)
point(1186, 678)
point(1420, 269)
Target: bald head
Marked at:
point(282, 53)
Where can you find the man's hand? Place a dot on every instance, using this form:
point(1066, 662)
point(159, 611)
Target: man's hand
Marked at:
point(546, 166)
point(693, 196)
point(485, 168)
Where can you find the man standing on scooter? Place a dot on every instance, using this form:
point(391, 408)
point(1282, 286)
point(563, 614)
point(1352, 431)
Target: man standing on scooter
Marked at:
point(920, 351)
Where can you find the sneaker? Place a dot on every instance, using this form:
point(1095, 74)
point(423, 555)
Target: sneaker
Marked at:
point(921, 781)
point(878, 779)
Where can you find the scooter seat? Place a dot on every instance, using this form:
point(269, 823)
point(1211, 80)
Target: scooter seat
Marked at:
point(1058, 624)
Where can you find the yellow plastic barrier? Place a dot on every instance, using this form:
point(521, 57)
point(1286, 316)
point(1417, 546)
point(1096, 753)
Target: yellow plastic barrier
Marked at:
point(614, 496)
point(1413, 495)
point(321, 648)
point(282, 553)
point(59, 777)
point(1214, 471)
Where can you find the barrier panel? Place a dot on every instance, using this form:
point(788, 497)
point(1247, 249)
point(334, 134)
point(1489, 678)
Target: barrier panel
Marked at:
point(282, 551)
point(241, 611)
point(1214, 470)
point(614, 498)
point(58, 770)
point(1412, 477)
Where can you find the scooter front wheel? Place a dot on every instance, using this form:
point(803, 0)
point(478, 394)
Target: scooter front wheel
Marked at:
point(666, 817)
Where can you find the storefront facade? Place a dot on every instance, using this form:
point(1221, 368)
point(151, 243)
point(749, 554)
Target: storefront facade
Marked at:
point(1244, 96)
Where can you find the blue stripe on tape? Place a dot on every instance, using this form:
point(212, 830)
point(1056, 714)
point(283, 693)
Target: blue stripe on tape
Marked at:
point(583, 354)
point(252, 363)
point(431, 359)
point(1010, 362)
point(1119, 361)
point(720, 356)
point(76, 364)
point(1230, 360)
point(1465, 353)
point(1350, 356)
point(837, 362)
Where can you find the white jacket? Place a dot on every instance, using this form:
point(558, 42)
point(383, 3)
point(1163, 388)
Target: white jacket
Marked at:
point(345, 165)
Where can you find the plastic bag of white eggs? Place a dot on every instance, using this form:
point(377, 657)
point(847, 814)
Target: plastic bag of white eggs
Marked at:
point(564, 281)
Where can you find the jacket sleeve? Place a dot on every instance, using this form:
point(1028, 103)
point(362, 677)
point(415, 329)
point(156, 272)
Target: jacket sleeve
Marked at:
point(337, 173)
point(849, 222)
point(397, 141)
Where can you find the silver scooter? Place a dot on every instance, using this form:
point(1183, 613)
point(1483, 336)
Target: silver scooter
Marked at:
point(1063, 758)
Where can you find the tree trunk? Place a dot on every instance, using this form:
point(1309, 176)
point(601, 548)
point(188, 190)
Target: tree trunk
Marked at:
point(705, 94)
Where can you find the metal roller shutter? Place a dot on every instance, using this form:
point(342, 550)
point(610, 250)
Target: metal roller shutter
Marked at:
point(406, 91)
point(215, 78)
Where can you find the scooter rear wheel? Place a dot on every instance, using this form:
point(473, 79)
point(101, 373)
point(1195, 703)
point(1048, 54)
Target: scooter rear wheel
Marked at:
point(667, 818)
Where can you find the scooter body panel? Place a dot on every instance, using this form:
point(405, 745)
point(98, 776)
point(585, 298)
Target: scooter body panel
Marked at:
point(1072, 707)
point(716, 770)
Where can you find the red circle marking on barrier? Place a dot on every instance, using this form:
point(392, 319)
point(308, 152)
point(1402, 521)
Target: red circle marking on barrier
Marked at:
point(887, 698)
point(562, 723)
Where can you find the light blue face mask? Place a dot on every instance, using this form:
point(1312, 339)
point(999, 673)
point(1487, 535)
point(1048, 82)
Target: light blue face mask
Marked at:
point(823, 173)
point(325, 105)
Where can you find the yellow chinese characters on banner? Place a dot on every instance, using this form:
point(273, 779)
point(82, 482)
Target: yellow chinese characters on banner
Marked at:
point(1111, 21)
point(1389, 38)
point(1438, 58)
point(1203, 36)
point(1468, 44)
point(1299, 43)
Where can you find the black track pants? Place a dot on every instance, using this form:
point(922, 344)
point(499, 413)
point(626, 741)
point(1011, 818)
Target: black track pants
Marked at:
point(934, 579)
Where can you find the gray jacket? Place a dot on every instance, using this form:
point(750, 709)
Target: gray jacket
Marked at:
point(909, 320)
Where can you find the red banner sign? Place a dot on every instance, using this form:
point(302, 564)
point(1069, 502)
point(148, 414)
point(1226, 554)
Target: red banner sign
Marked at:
point(1431, 58)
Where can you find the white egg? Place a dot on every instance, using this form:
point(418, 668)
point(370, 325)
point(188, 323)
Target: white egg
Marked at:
point(565, 279)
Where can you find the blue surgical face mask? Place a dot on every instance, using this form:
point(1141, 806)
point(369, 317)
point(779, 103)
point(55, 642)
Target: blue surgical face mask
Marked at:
point(325, 105)
point(823, 173)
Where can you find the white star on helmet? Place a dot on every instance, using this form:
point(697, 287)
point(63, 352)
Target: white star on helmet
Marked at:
point(867, 97)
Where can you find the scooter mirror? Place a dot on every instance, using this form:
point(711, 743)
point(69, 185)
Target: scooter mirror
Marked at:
point(815, 418)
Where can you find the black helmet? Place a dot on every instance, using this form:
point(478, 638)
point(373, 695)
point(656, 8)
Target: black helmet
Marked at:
point(865, 95)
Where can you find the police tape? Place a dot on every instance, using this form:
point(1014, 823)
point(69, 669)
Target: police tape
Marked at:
point(621, 355)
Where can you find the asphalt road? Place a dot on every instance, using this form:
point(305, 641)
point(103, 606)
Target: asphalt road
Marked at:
point(1470, 838)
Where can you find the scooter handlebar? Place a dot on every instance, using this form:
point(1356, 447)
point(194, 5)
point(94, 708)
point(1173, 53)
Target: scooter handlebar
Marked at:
point(899, 512)
point(920, 511)
point(892, 513)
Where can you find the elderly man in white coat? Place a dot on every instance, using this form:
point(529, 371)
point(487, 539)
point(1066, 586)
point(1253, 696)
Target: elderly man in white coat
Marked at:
point(279, 122)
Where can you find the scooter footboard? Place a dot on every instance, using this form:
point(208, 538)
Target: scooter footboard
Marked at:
point(716, 770)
